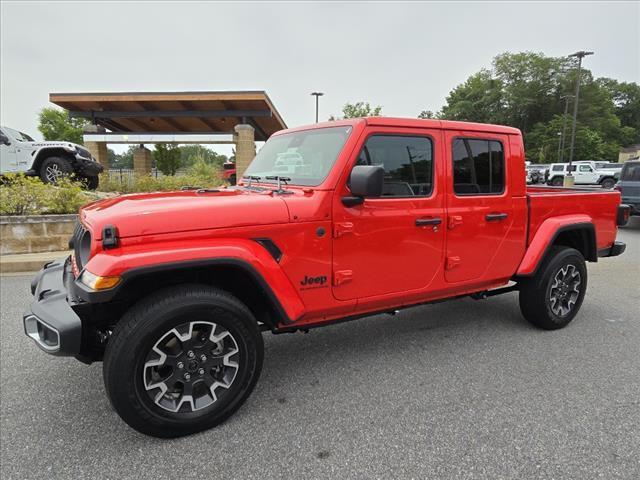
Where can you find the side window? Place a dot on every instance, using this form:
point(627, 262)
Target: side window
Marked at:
point(478, 167)
point(558, 168)
point(585, 168)
point(407, 162)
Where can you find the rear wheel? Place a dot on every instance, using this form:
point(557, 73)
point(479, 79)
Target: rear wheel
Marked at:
point(553, 296)
point(182, 360)
point(54, 169)
point(608, 183)
point(557, 181)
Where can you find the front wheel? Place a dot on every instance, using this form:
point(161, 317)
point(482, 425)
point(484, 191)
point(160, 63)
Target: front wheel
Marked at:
point(182, 360)
point(91, 183)
point(54, 169)
point(552, 297)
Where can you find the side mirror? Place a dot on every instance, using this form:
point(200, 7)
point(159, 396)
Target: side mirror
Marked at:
point(365, 181)
point(4, 140)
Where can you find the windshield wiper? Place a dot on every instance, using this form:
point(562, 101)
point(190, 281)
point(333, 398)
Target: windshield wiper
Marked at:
point(250, 178)
point(280, 180)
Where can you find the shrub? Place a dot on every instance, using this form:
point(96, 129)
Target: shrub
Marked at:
point(22, 195)
point(201, 176)
point(66, 197)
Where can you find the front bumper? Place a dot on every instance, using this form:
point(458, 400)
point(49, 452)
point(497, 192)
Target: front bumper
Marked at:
point(50, 320)
point(88, 167)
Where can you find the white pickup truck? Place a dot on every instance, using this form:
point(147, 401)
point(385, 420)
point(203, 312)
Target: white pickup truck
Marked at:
point(585, 173)
point(19, 153)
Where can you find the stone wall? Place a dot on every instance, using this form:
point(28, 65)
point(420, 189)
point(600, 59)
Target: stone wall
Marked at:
point(35, 233)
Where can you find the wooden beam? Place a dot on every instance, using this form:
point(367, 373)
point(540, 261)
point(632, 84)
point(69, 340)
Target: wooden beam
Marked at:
point(169, 113)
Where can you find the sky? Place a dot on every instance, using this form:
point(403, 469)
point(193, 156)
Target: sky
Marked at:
point(404, 56)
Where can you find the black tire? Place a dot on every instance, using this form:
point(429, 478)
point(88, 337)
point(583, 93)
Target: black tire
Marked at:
point(608, 183)
point(53, 168)
point(557, 181)
point(91, 183)
point(536, 303)
point(126, 361)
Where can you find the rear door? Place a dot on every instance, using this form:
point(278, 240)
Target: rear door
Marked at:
point(480, 208)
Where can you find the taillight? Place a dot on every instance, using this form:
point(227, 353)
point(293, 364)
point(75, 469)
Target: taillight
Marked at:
point(624, 212)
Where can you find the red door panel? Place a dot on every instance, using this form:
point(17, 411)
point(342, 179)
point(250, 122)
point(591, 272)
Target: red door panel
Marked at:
point(484, 227)
point(387, 245)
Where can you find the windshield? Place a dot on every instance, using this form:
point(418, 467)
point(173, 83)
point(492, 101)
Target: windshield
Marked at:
point(21, 137)
point(304, 157)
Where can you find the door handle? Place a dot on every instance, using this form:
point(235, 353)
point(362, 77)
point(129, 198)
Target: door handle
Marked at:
point(426, 222)
point(495, 217)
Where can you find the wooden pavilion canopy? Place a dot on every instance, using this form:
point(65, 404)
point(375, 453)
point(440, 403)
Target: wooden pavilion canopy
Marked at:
point(175, 112)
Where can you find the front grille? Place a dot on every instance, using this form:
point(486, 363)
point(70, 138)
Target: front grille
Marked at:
point(81, 244)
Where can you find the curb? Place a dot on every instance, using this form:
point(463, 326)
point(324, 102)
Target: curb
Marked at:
point(28, 262)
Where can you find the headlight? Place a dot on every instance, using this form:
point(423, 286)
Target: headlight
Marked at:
point(96, 282)
point(83, 152)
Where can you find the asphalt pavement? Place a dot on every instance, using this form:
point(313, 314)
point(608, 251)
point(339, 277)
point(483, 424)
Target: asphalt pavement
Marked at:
point(462, 389)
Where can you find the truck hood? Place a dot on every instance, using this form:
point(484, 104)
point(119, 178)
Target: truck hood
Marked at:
point(183, 211)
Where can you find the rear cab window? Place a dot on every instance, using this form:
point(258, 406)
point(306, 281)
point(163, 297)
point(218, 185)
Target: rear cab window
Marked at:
point(478, 167)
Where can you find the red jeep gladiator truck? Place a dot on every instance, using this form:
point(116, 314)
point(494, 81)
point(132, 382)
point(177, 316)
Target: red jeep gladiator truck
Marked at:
point(331, 222)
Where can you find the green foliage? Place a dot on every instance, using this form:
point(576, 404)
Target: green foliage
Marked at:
point(190, 154)
point(202, 176)
point(22, 195)
point(358, 110)
point(55, 124)
point(524, 90)
point(66, 197)
point(167, 158)
point(124, 159)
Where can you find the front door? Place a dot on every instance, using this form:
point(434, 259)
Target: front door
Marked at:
point(585, 175)
point(393, 243)
point(8, 159)
point(479, 207)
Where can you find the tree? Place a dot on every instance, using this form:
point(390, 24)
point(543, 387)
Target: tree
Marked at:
point(124, 159)
point(525, 90)
point(167, 158)
point(190, 154)
point(358, 110)
point(55, 124)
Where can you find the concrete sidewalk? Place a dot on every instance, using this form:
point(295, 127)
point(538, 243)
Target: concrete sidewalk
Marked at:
point(27, 262)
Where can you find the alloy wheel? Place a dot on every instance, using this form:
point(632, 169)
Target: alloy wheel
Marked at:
point(191, 366)
point(565, 290)
point(53, 173)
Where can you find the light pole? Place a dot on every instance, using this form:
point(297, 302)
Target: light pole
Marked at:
point(317, 95)
point(568, 179)
point(564, 126)
point(559, 144)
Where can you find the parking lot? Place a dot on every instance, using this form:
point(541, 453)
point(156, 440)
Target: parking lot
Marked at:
point(464, 389)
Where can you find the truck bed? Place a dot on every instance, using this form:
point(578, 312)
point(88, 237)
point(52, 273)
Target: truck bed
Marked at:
point(598, 204)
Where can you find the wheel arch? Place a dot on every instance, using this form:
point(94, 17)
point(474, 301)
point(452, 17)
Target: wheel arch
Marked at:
point(579, 234)
point(48, 152)
point(270, 304)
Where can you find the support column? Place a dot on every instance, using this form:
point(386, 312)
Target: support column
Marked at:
point(142, 161)
point(245, 147)
point(98, 149)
